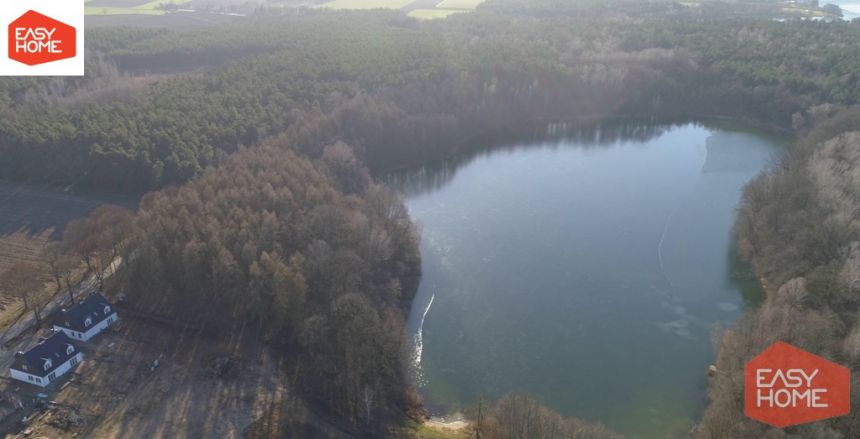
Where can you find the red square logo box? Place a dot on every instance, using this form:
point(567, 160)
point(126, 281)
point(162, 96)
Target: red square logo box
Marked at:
point(35, 39)
point(42, 38)
point(786, 386)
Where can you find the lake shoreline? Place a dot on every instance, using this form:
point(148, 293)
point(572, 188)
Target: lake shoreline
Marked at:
point(466, 144)
point(531, 248)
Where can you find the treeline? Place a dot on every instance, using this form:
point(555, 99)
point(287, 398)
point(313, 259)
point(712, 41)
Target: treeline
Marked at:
point(88, 246)
point(183, 101)
point(798, 226)
point(313, 256)
point(518, 416)
point(816, 59)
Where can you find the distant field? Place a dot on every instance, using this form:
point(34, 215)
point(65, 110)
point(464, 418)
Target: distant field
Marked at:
point(424, 9)
point(114, 3)
point(366, 4)
point(430, 14)
point(174, 20)
point(120, 11)
point(29, 218)
point(125, 7)
point(459, 4)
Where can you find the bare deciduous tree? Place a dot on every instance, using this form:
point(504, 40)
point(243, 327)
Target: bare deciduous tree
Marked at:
point(24, 280)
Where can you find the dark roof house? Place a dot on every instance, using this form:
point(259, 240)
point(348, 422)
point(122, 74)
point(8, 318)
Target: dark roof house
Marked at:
point(87, 318)
point(49, 355)
point(95, 308)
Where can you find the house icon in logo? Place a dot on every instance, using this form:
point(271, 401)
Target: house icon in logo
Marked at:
point(35, 39)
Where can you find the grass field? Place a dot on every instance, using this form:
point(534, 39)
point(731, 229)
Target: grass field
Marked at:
point(176, 20)
point(425, 10)
point(435, 430)
point(366, 4)
point(430, 14)
point(459, 4)
point(121, 11)
point(125, 7)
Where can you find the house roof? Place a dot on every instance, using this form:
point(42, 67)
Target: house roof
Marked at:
point(75, 317)
point(54, 348)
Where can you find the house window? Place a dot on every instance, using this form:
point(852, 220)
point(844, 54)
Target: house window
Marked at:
point(30, 378)
point(88, 321)
point(107, 309)
point(52, 376)
point(70, 349)
point(74, 361)
point(38, 380)
point(47, 364)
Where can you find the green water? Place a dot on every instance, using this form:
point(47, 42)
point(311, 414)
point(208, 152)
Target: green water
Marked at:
point(588, 268)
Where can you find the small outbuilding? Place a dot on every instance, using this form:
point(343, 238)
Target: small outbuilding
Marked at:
point(87, 318)
point(50, 359)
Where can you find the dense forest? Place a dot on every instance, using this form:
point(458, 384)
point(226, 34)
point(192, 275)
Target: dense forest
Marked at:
point(261, 137)
point(160, 106)
point(314, 257)
point(309, 257)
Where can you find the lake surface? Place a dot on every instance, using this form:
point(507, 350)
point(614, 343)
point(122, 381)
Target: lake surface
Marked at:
point(850, 8)
point(588, 267)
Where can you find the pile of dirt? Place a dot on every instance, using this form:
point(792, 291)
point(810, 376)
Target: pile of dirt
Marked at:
point(65, 418)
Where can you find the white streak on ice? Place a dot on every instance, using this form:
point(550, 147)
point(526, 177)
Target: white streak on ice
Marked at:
point(419, 339)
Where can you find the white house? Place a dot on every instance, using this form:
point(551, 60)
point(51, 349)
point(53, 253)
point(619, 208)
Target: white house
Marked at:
point(48, 360)
point(86, 319)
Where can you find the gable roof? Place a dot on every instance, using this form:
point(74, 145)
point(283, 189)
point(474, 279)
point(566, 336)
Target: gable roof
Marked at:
point(53, 348)
point(75, 317)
